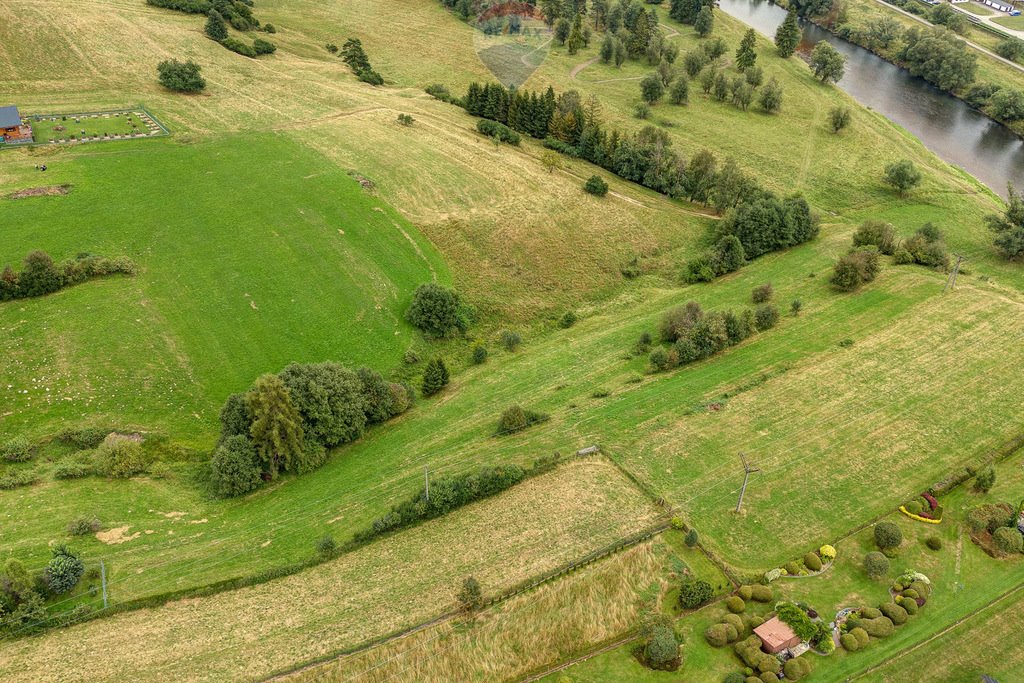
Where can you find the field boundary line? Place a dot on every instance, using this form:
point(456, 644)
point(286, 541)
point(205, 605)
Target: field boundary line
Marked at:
point(670, 509)
point(939, 634)
point(525, 586)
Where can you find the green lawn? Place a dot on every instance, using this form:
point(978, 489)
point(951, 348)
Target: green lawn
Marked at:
point(975, 8)
point(253, 252)
point(1016, 23)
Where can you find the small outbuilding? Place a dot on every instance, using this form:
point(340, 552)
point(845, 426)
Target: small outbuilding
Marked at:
point(12, 130)
point(776, 636)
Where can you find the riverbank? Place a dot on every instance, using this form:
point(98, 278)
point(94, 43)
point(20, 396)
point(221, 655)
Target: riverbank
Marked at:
point(960, 134)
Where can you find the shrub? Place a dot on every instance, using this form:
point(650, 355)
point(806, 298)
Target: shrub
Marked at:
point(435, 376)
point(1008, 540)
point(839, 118)
point(876, 564)
point(745, 592)
point(736, 622)
point(717, 635)
point(326, 545)
point(662, 648)
point(515, 419)
point(63, 570)
point(766, 316)
point(888, 536)
point(471, 596)
point(989, 517)
point(735, 677)
point(761, 593)
point(870, 612)
point(792, 568)
point(827, 553)
point(933, 543)
point(796, 668)
point(263, 47)
point(692, 538)
point(849, 642)
point(17, 449)
point(498, 131)
point(985, 479)
point(120, 456)
point(796, 618)
point(234, 468)
point(659, 360)
point(812, 562)
point(861, 635)
point(909, 605)
point(406, 119)
point(596, 186)
point(914, 507)
point(83, 438)
point(762, 293)
point(896, 614)
point(180, 76)
point(510, 340)
point(479, 354)
point(735, 604)
point(855, 268)
point(83, 526)
point(903, 176)
point(270, 28)
point(694, 593)
point(437, 310)
point(878, 234)
point(239, 47)
point(71, 469)
point(882, 627)
point(568, 319)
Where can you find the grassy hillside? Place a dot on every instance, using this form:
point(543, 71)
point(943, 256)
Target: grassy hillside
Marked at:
point(393, 583)
point(253, 252)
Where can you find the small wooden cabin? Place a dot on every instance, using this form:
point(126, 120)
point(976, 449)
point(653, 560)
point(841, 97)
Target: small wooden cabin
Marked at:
point(12, 129)
point(776, 636)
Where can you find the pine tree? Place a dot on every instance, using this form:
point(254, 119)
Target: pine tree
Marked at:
point(575, 41)
point(745, 55)
point(435, 376)
point(276, 425)
point(215, 26)
point(607, 48)
point(787, 37)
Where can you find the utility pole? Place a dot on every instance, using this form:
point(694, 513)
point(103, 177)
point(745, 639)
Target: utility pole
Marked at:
point(747, 469)
point(951, 282)
point(426, 481)
point(103, 579)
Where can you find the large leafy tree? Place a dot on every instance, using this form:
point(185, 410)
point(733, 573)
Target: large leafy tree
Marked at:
point(903, 176)
point(827, 63)
point(438, 310)
point(330, 400)
point(180, 76)
point(939, 57)
point(277, 426)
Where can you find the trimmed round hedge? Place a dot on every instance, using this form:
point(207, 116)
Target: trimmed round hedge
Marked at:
point(759, 593)
point(812, 562)
point(735, 604)
point(861, 635)
point(849, 642)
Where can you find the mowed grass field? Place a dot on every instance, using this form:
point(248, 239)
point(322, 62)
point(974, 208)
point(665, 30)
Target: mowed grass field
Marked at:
point(513, 638)
point(252, 252)
point(395, 582)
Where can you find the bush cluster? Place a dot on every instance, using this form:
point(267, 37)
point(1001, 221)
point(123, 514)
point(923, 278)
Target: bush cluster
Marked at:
point(17, 449)
point(83, 526)
point(855, 268)
point(498, 131)
point(41, 276)
point(286, 422)
point(120, 456)
point(595, 185)
point(925, 247)
point(515, 419)
point(447, 493)
point(695, 335)
point(180, 76)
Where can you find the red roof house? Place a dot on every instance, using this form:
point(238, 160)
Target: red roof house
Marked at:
point(776, 636)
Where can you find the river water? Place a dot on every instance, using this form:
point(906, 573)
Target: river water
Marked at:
point(952, 130)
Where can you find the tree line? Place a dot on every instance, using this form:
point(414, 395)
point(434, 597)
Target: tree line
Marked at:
point(40, 275)
point(758, 220)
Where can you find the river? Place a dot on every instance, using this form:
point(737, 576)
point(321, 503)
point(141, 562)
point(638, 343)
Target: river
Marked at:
point(947, 126)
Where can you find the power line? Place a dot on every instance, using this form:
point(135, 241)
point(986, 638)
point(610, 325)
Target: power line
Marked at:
point(748, 469)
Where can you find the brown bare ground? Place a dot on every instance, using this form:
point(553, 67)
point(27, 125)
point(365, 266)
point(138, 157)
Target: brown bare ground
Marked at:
point(48, 191)
point(397, 582)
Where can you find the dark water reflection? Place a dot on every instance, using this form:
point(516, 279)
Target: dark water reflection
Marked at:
point(952, 130)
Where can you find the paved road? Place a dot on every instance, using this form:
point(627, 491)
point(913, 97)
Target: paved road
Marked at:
point(988, 19)
point(977, 47)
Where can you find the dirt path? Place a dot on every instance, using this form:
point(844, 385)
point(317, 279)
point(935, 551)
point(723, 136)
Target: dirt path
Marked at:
point(580, 67)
